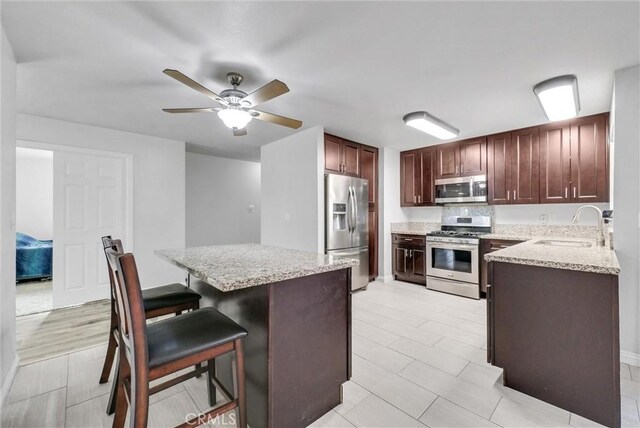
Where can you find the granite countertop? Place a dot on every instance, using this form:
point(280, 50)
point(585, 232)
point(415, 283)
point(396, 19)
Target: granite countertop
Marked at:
point(232, 267)
point(594, 259)
point(414, 228)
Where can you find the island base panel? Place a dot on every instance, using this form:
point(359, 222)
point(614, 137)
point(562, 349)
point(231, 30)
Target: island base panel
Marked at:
point(298, 347)
point(555, 334)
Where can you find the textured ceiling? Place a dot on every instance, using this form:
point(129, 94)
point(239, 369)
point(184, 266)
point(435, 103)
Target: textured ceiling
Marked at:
point(353, 67)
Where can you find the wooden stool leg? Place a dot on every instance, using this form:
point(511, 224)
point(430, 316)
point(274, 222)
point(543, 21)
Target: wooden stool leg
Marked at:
point(111, 348)
point(211, 388)
point(121, 396)
point(240, 385)
point(113, 397)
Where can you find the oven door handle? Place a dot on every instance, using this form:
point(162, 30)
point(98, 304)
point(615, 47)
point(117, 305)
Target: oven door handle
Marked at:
point(452, 246)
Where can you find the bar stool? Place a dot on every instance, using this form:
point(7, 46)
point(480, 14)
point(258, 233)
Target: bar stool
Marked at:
point(158, 301)
point(156, 350)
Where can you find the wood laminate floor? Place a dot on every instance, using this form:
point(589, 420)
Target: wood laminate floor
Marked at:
point(418, 360)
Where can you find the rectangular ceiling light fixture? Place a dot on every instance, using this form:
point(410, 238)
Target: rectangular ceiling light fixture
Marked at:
point(559, 97)
point(431, 125)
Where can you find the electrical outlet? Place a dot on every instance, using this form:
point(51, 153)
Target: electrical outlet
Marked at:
point(552, 217)
point(287, 217)
point(544, 218)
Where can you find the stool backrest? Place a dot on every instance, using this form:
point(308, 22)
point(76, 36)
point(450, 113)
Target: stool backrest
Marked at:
point(132, 324)
point(116, 245)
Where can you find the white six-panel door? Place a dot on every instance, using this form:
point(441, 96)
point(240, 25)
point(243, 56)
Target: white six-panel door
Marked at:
point(89, 202)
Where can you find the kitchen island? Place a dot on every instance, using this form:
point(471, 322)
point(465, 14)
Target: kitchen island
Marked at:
point(296, 306)
point(552, 307)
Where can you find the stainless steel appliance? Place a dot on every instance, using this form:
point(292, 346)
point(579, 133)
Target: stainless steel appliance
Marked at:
point(453, 265)
point(346, 229)
point(461, 189)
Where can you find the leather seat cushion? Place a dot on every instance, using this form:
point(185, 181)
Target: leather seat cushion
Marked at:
point(190, 333)
point(168, 295)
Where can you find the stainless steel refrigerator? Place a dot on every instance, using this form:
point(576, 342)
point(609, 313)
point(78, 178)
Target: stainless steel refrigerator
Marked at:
point(346, 229)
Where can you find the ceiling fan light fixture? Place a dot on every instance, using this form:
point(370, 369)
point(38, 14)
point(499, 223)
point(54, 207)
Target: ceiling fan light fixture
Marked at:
point(559, 97)
point(235, 118)
point(425, 122)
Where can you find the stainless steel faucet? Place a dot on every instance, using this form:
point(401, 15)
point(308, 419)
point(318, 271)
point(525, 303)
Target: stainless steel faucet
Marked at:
point(576, 217)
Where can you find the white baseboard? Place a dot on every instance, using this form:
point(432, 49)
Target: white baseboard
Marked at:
point(630, 358)
point(8, 381)
point(387, 278)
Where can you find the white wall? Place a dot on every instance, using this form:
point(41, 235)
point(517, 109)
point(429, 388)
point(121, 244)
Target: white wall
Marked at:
point(34, 192)
point(223, 201)
point(158, 186)
point(8, 358)
point(389, 200)
point(293, 191)
point(626, 204)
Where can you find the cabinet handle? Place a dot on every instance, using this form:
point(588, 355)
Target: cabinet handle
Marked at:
point(462, 169)
point(508, 195)
point(457, 168)
point(574, 192)
point(419, 199)
point(514, 195)
point(415, 199)
point(566, 192)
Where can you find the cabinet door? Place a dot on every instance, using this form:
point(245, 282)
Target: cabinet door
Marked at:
point(351, 158)
point(418, 265)
point(369, 170)
point(408, 173)
point(332, 154)
point(426, 193)
point(589, 160)
point(555, 161)
point(400, 258)
point(448, 160)
point(525, 171)
point(473, 157)
point(499, 168)
point(373, 243)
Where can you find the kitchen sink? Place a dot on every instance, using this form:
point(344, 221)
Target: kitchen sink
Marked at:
point(561, 243)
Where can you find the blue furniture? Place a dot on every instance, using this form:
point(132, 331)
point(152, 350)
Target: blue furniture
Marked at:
point(33, 257)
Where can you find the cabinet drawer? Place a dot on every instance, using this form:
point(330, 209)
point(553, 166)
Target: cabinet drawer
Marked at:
point(408, 240)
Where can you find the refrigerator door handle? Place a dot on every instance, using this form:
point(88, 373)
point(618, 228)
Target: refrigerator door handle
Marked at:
point(349, 208)
point(355, 210)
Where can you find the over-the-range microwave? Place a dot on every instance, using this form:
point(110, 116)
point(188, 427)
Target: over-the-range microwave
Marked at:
point(461, 190)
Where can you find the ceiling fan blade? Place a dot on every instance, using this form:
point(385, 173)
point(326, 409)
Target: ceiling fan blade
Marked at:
point(191, 110)
point(273, 89)
point(278, 120)
point(239, 132)
point(193, 85)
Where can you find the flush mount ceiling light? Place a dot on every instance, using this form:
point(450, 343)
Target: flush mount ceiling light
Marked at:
point(235, 118)
point(431, 125)
point(559, 97)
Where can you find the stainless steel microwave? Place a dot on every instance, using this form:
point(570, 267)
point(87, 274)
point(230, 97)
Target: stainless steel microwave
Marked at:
point(461, 190)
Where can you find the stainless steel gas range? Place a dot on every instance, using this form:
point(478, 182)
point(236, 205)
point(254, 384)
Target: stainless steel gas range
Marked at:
point(453, 264)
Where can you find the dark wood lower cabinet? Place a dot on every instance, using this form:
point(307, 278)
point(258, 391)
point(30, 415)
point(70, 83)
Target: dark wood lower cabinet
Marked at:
point(489, 246)
point(555, 333)
point(409, 258)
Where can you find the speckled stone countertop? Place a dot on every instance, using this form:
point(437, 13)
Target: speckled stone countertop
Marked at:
point(414, 228)
point(594, 259)
point(232, 267)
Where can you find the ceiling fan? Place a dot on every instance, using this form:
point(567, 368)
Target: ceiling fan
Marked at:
point(237, 107)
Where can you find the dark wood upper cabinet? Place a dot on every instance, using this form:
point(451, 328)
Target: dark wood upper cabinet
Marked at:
point(473, 157)
point(341, 156)
point(448, 160)
point(499, 168)
point(332, 154)
point(369, 170)
point(573, 161)
point(589, 170)
point(408, 178)
point(555, 163)
point(525, 171)
point(426, 192)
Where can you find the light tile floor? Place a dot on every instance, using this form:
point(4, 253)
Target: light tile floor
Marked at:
point(419, 360)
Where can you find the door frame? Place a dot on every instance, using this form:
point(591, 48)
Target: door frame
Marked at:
point(128, 176)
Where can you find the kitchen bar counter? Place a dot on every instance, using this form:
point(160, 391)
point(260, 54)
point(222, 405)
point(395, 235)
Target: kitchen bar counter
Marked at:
point(232, 267)
point(296, 307)
point(593, 259)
